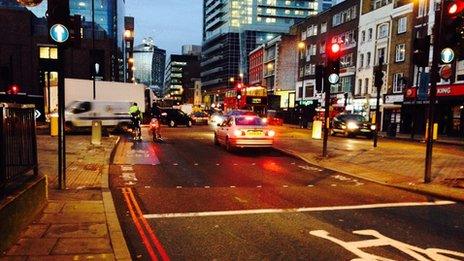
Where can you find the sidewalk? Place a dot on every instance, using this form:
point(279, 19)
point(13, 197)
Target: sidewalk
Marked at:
point(421, 138)
point(397, 163)
point(79, 223)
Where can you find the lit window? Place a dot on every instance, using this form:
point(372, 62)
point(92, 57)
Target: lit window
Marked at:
point(400, 52)
point(48, 53)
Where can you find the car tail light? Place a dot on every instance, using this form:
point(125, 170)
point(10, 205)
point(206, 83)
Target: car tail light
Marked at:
point(271, 133)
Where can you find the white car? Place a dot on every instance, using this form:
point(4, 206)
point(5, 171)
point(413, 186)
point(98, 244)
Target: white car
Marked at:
point(243, 131)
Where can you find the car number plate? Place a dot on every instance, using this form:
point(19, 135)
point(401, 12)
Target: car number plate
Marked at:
point(365, 130)
point(254, 133)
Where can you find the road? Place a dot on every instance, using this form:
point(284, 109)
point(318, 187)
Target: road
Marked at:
point(185, 198)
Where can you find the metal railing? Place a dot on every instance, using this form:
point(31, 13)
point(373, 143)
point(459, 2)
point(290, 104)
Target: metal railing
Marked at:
point(18, 146)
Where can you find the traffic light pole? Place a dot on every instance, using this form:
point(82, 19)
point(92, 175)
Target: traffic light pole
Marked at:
point(326, 116)
point(377, 107)
point(433, 92)
point(61, 121)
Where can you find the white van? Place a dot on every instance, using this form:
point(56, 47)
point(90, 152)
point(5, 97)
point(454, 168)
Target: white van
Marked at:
point(80, 114)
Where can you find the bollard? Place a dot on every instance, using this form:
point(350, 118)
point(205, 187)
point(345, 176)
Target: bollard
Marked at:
point(435, 131)
point(317, 130)
point(54, 125)
point(96, 132)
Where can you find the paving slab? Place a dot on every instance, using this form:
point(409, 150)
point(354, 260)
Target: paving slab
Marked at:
point(108, 256)
point(35, 231)
point(32, 246)
point(80, 230)
point(66, 246)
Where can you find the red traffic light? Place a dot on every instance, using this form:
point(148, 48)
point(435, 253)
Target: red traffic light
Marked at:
point(452, 8)
point(333, 51)
point(335, 48)
point(13, 89)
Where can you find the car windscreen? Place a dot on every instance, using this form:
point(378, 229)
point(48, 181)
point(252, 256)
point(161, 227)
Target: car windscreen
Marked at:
point(353, 117)
point(248, 121)
point(79, 107)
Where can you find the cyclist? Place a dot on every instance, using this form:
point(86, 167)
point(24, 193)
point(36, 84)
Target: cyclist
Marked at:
point(136, 117)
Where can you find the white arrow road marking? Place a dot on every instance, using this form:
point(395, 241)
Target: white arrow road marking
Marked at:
point(295, 210)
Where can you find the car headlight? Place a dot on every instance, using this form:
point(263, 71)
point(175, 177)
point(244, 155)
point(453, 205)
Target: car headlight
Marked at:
point(373, 127)
point(271, 133)
point(352, 126)
point(239, 133)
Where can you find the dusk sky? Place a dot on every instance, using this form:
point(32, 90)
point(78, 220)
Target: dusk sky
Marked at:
point(171, 23)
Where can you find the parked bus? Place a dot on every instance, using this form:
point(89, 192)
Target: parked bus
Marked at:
point(252, 98)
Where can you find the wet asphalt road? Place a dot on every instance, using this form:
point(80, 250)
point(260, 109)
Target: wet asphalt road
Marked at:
point(185, 198)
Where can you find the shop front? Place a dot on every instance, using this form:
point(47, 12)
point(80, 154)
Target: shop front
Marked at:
point(449, 112)
point(392, 113)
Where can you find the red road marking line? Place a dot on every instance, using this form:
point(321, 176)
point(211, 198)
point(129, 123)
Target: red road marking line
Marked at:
point(139, 228)
point(155, 240)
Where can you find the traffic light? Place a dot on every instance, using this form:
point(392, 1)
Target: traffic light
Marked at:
point(319, 77)
point(239, 91)
point(378, 76)
point(420, 56)
point(13, 89)
point(332, 71)
point(452, 27)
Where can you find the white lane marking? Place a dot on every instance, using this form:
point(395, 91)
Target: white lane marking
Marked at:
point(126, 168)
point(232, 186)
point(207, 187)
point(333, 185)
point(253, 163)
point(259, 186)
point(310, 185)
point(129, 176)
point(175, 164)
point(179, 187)
point(147, 187)
point(296, 210)
point(285, 186)
point(375, 239)
point(293, 163)
point(347, 179)
point(217, 164)
point(310, 168)
point(235, 164)
point(196, 164)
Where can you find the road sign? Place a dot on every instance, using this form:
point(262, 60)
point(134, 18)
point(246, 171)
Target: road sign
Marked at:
point(37, 114)
point(446, 72)
point(447, 55)
point(59, 33)
point(333, 78)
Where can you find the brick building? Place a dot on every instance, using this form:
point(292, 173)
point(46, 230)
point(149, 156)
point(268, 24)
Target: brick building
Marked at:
point(337, 24)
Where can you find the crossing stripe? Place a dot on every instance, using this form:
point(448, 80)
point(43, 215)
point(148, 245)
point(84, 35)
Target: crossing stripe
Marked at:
point(295, 210)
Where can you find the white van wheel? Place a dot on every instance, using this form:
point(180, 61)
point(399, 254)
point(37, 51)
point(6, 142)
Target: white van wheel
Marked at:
point(172, 124)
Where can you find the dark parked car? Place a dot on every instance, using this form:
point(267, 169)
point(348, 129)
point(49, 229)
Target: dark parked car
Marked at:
point(272, 118)
point(175, 117)
point(199, 118)
point(352, 125)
